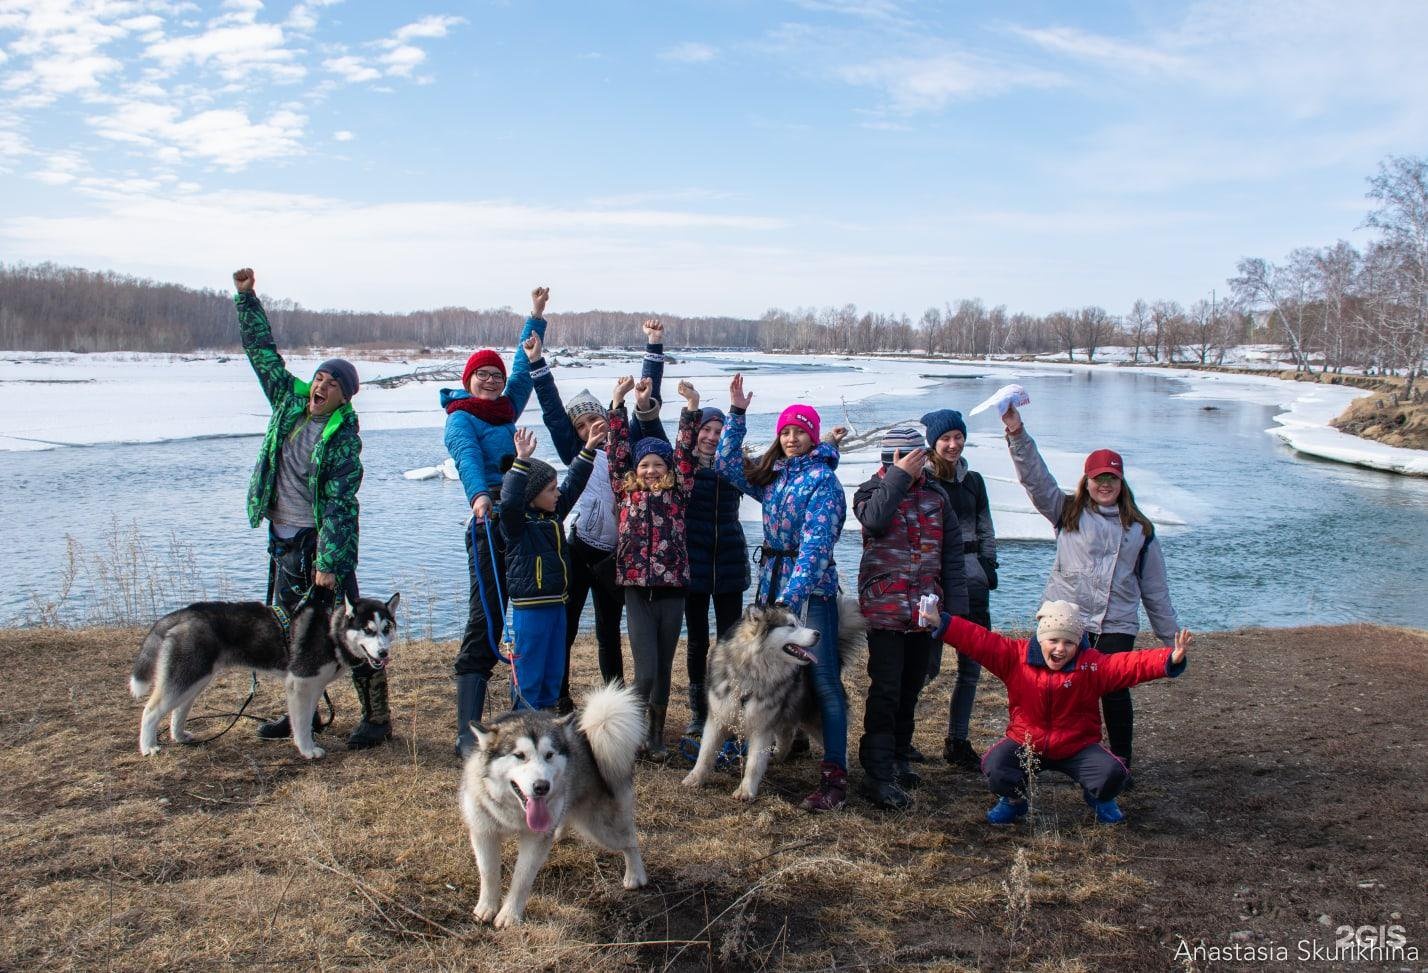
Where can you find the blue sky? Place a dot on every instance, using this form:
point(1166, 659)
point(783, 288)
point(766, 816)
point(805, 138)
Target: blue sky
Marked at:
point(723, 156)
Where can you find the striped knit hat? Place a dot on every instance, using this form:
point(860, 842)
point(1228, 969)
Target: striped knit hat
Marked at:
point(902, 439)
point(584, 405)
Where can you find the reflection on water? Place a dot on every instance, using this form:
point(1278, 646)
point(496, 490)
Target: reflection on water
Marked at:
point(1272, 538)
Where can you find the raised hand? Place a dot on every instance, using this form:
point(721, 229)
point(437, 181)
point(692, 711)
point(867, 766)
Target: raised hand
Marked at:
point(836, 435)
point(643, 388)
point(595, 437)
point(738, 398)
point(1182, 642)
point(538, 298)
point(912, 463)
point(244, 280)
point(690, 394)
point(622, 389)
point(532, 347)
point(1012, 420)
point(654, 331)
point(525, 443)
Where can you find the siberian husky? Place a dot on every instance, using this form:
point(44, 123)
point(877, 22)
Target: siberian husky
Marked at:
point(532, 776)
point(187, 648)
point(757, 686)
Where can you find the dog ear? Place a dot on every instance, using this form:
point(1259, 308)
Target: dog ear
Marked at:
point(752, 612)
point(347, 606)
point(484, 737)
point(392, 603)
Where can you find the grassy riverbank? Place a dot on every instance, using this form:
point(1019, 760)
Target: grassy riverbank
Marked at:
point(1279, 796)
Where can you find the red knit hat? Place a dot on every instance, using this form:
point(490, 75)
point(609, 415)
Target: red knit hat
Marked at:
point(481, 359)
point(1105, 461)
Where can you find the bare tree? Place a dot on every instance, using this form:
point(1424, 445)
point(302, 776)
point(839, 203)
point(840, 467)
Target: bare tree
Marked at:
point(1401, 192)
point(1062, 324)
point(1286, 293)
point(1094, 326)
point(1138, 327)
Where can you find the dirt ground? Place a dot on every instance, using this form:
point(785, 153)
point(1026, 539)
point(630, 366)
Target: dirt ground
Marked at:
point(1280, 797)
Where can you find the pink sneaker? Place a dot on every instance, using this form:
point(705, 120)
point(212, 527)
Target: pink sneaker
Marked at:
point(832, 791)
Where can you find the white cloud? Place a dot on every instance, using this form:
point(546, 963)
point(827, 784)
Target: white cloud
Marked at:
point(875, 10)
point(224, 137)
point(427, 27)
point(690, 52)
point(920, 84)
point(1077, 43)
point(401, 60)
point(237, 52)
point(352, 69)
point(60, 169)
point(343, 136)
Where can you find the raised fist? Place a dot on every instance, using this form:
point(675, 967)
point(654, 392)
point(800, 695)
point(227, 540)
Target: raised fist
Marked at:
point(244, 280)
point(538, 298)
point(532, 347)
point(654, 331)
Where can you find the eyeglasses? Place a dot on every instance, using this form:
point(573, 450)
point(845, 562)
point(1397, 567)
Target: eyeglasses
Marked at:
point(488, 375)
point(1106, 479)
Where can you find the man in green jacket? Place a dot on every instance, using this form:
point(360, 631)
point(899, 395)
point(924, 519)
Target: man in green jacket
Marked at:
point(305, 483)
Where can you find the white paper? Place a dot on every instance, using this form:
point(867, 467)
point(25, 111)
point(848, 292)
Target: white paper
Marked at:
point(1003, 398)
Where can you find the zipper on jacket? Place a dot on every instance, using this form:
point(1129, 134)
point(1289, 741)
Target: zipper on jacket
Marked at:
point(539, 561)
point(714, 567)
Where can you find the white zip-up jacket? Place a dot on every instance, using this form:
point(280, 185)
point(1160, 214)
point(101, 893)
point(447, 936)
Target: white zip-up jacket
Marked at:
point(1096, 564)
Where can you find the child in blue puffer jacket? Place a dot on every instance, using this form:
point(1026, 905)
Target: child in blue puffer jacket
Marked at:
point(480, 432)
point(804, 508)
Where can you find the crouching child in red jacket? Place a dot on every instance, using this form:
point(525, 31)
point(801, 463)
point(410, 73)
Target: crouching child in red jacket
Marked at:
point(1055, 682)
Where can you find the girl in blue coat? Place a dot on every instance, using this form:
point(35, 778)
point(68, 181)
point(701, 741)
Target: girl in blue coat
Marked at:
point(804, 507)
point(480, 433)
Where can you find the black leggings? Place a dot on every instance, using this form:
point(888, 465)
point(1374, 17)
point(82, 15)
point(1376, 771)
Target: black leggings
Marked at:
point(727, 608)
point(1116, 707)
point(592, 573)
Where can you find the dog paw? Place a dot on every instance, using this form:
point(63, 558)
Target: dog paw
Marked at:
point(692, 779)
point(742, 793)
point(484, 912)
point(149, 751)
point(316, 753)
point(182, 736)
point(506, 919)
point(635, 880)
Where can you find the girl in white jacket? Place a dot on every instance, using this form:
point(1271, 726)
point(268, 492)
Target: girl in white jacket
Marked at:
point(1108, 560)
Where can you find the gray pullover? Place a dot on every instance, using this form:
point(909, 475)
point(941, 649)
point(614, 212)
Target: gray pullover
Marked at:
point(1096, 564)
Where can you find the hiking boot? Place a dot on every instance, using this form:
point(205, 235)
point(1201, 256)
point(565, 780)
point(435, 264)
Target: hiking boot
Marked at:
point(698, 710)
point(832, 790)
point(281, 728)
point(1006, 811)
point(880, 784)
point(654, 748)
point(961, 754)
point(914, 755)
point(376, 724)
point(906, 777)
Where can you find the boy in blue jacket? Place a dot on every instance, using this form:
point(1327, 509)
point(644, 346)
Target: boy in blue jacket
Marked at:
point(538, 564)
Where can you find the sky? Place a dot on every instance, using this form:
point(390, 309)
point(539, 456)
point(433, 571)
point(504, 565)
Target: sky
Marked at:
point(699, 156)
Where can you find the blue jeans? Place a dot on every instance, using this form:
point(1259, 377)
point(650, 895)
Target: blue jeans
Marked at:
point(540, 656)
point(828, 679)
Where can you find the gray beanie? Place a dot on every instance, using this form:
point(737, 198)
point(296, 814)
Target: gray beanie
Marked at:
point(902, 439)
point(583, 405)
point(540, 474)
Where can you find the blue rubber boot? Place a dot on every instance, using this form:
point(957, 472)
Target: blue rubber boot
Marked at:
point(1108, 812)
point(1006, 811)
point(470, 704)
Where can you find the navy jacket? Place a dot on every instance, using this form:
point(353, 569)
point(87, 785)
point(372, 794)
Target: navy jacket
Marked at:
point(718, 550)
point(537, 562)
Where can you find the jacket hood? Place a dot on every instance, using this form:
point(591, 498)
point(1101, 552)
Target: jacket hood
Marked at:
point(448, 396)
point(825, 453)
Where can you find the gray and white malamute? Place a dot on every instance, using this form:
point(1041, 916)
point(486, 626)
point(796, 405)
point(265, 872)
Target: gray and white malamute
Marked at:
point(533, 776)
point(757, 686)
point(185, 649)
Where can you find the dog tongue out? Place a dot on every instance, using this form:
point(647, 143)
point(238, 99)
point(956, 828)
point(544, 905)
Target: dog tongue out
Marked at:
point(537, 814)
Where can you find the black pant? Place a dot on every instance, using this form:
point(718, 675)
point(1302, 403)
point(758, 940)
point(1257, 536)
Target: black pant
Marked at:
point(486, 613)
point(1098, 772)
point(1116, 707)
point(979, 610)
point(727, 609)
point(897, 663)
point(293, 566)
point(592, 572)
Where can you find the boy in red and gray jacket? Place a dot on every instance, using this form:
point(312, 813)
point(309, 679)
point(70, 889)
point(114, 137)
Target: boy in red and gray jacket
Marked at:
point(1055, 682)
point(912, 546)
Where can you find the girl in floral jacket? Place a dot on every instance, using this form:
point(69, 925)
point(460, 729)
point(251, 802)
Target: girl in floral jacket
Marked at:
point(652, 484)
point(804, 508)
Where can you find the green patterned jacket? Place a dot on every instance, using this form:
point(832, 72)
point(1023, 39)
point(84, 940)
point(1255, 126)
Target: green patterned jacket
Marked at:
point(336, 459)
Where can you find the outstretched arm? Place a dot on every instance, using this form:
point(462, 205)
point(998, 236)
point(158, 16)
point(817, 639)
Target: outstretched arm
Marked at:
point(684, 462)
point(562, 431)
point(518, 385)
point(729, 458)
point(1031, 469)
point(1126, 669)
point(646, 421)
point(258, 344)
point(998, 653)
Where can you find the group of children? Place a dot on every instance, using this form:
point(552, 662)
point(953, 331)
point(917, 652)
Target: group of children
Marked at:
point(655, 535)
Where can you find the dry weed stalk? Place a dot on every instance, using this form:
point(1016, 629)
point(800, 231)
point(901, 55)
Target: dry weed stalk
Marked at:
point(1017, 888)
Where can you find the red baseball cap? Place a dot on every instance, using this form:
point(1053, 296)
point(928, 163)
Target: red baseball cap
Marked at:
point(1105, 461)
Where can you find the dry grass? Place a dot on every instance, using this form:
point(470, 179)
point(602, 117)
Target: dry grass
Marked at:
point(237, 854)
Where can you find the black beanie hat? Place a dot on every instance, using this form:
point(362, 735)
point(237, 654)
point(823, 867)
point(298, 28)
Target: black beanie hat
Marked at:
point(539, 475)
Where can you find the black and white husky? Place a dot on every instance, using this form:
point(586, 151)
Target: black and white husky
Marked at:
point(533, 776)
point(187, 648)
point(757, 686)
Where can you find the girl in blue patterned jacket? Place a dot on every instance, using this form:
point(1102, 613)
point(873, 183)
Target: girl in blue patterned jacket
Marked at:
point(480, 433)
point(804, 507)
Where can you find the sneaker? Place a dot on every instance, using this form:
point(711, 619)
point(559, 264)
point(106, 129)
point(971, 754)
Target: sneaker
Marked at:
point(962, 755)
point(282, 729)
point(1006, 811)
point(1108, 812)
point(831, 792)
